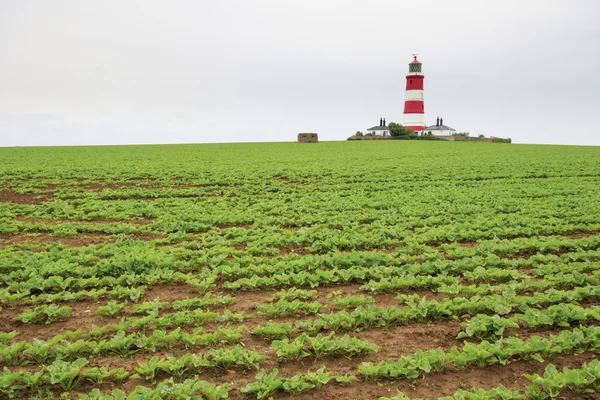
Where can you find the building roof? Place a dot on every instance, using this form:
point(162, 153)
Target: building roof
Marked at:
point(379, 128)
point(438, 128)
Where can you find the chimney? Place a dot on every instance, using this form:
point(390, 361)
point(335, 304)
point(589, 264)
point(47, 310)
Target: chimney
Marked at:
point(380, 121)
point(441, 121)
point(437, 121)
point(383, 122)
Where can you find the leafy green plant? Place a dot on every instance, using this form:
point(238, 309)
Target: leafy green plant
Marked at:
point(219, 360)
point(149, 307)
point(284, 308)
point(231, 317)
point(103, 374)
point(202, 285)
point(40, 350)
point(274, 331)
point(12, 299)
point(224, 359)
point(352, 301)
point(111, 309)
point(131, 293)
point(293, 294)
point(320, 346)
point(583, 380)
point(188, 389)
point(399, 396)
point(499, 392)
point(208, 300)
point(150, 368)
point(264, 384)
point(15, 384)
point(65, 374)
point(44, 314)
point(11, 355)
point(482, 325)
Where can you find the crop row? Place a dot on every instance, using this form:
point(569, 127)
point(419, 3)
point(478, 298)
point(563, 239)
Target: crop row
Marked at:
point(443, 229)
point(582, 380)
point(392, 279)
point(120, 344)
point(550, 385)
point(62, 374)
point(266, 384)
point(563, 314)
point(69, 375)
point(130, 258)
point(145, 269)
point(380, 280)
point(417, 260)
point(188, 389)
point(420, 309)
point(484, 354)
point(112, 308)
point(117, 292)
point(220, 360)
point(57, 283)
point(562, 280)
point(320, 346)
point(123, 344)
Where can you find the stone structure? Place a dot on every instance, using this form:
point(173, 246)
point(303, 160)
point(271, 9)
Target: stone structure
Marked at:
point(308, 138)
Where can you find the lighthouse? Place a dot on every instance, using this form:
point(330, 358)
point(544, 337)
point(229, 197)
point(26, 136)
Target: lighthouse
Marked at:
point(414, 103)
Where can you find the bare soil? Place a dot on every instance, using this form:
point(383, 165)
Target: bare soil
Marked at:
point(10, 196)
point(54, 221)
point(81, 240)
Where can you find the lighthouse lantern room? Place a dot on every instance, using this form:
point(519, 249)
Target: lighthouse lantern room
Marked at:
point(414, 104)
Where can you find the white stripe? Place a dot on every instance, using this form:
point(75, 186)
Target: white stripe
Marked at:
point(414, 95)
point(414, 119)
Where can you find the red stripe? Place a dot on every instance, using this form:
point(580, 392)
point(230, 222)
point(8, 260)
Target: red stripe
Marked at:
point(414, 107)
point(415, 128)
point(414, 83)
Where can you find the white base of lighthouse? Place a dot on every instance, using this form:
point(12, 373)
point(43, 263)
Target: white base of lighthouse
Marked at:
point(414, 121)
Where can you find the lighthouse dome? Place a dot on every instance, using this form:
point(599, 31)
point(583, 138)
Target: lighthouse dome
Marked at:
point(415, 66)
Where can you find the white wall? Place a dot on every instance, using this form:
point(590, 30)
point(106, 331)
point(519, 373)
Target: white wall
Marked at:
point(378, 133)
point(443, 132)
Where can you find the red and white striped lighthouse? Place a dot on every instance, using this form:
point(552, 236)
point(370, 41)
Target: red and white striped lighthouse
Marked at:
point(414, 102)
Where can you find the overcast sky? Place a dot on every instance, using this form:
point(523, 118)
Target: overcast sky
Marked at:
point(116, 72)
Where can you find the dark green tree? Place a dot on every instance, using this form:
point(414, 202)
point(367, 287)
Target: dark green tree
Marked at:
point(399, 130)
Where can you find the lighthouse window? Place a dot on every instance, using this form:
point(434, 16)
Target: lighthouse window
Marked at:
point(414, 68)
point(411, 81)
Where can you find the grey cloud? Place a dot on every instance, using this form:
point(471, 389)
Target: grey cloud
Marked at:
point(262, 70)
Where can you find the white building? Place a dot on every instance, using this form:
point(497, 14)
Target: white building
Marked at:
point(439, 129)
point(380, 130)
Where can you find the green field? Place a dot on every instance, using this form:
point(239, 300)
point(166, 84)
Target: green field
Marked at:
point(339, 270)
